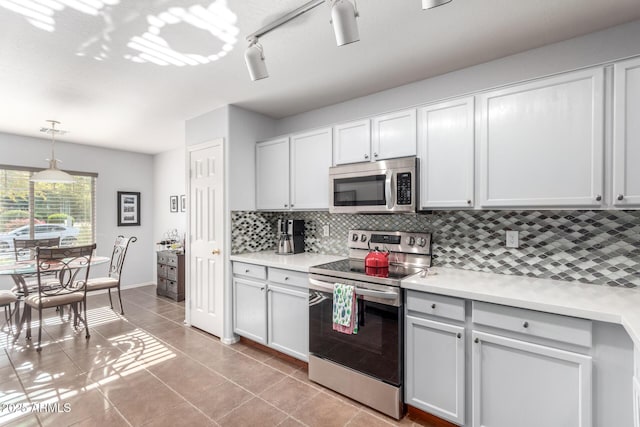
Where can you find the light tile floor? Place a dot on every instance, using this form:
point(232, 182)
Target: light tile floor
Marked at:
point(146, 368)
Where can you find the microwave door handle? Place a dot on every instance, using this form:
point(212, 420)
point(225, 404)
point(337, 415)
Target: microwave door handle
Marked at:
point(388, 185)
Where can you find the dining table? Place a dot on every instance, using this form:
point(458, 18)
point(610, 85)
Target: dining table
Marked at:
point(22, 270)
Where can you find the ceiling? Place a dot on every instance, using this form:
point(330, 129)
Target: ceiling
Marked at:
point(86, 62)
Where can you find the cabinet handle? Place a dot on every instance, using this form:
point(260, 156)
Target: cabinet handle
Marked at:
point(598, 198)
point(620, 196)
point(375, 154)
point(469, 202)
point(366, 156)
point(477, 340)
point(459, 335)
point(247, 270)
point(291, 204)
point(433, 306)
point(262, 288)
point(286, 278)
point(525, 324)
point(285, 205)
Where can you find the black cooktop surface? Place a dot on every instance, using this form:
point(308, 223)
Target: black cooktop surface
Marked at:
point(355, 269)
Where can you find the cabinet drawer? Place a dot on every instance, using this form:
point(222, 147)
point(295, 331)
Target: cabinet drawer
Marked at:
point(250, 270)
point(436, 305)
point(162, 270)
point(171, 259)
point(555, 327)
point(289, 277)
point(162, 285)
point(172, 273)
point(162, 259)
point(172, 286)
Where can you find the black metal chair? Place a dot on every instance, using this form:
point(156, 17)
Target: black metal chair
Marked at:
point(72, 267)
point(6, 299)
point(115, 270)
point(26, 248)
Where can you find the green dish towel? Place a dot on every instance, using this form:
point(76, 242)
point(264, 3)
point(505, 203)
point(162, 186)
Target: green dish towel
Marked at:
point(345, 309)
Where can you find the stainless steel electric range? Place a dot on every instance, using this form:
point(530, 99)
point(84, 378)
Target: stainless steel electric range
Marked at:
point(366, 367)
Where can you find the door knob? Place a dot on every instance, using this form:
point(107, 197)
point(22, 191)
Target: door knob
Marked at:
point(215, 252)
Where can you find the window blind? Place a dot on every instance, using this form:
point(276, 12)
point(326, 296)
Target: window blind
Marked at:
point(31, 210)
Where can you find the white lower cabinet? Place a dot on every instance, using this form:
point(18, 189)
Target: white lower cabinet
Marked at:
point(273, 311)
point(288, 321)
point(435, 368)
point(435, 355)
point(250, 309)
point(530, 368)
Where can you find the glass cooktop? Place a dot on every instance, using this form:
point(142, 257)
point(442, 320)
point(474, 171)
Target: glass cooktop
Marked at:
point(355, 269)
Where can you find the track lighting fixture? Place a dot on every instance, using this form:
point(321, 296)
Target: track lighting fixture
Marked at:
point(343, 19)
point(430, 4)
point(344, 14)
point(254, 57)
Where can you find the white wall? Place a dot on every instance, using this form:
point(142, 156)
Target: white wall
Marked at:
point(168, 180)
point(595, 48)
point(117, 171)
point(245, 128)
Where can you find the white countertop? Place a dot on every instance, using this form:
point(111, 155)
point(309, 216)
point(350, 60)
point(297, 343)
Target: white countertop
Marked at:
point(604, 303)
point(297, 262)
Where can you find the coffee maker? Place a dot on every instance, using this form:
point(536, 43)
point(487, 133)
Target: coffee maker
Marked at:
point(290, 236)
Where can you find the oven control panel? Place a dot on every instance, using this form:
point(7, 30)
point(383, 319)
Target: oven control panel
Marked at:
point(392, 241)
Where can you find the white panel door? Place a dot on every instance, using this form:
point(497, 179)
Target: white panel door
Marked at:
point(626, 134)
point(541, 143)
point(394, 135)
point(272, 174)
point(310, 163)
point(206, 242)
point(516, 383)
point(250, 309)
point(636, 402)
point(446, 151)
point(288, 324)
point(435, 361)
point(352, 142)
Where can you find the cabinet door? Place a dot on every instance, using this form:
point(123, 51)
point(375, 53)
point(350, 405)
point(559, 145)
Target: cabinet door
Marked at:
point(310, 162)
point(394, 135)
point(272, 174)
point(626, 137)
point(541, 143)
point(446, 150)
point(435, 368)
point(516, 383)
point(289, 321)
point(352, 142)
point(250, 309)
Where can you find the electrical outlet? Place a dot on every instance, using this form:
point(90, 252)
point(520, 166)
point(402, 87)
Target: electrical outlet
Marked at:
point(325, 230)
point(512, 240)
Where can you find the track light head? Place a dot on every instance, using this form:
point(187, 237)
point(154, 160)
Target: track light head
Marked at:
point(343, 19)
point(430, 4)
point(254, 57)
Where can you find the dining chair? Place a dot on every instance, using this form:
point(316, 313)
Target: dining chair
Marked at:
point(112, 281)
point(6, 299)
point(72, 265)
point(27, 247)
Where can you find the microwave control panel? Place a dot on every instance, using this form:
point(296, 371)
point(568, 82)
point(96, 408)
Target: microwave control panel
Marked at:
point(403, 190)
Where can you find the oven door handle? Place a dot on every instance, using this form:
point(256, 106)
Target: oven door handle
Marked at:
point(319, 285)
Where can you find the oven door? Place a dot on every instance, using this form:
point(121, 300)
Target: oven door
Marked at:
point(376, 350)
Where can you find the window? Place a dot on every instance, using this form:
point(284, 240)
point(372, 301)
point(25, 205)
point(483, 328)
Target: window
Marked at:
point(39, 210)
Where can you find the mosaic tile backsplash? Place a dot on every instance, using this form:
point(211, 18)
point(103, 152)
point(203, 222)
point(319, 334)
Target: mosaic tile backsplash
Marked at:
point(599, 247)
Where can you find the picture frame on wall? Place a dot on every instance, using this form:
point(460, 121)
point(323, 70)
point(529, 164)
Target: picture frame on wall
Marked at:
point(128, 208)
point(183, 203)
point(173, 203)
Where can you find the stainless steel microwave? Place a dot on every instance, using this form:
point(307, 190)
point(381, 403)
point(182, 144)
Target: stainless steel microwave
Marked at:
point(386, 186)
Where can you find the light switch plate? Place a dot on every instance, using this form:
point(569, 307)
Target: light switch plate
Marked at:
point(512, 239)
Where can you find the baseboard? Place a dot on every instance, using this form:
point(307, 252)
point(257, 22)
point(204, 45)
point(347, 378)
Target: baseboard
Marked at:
point(137, 285)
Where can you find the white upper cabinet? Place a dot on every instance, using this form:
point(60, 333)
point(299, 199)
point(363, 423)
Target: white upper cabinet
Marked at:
point(626, 134)
point(394, 135)
point(446, 151)
point(352, 142)
point(542, 143)
point(310, 162)
point(272, 174)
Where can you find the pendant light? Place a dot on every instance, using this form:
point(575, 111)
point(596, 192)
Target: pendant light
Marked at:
point(53, 174)
point(343, 19)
